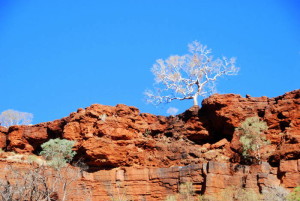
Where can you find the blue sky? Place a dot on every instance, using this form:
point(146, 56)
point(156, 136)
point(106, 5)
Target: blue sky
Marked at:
point(57, 56)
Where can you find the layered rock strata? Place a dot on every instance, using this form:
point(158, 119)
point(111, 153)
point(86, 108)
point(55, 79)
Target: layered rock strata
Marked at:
point(121, 141)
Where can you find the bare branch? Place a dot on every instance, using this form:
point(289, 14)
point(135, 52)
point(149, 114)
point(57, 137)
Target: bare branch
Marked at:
point(13, 117)
point(188, 76)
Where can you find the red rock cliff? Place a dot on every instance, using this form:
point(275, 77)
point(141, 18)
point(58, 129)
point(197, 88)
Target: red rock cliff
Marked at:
point(120, 144)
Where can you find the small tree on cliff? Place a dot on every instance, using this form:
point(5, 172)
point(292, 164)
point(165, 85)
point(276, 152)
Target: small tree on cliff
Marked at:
point(252, 138)
point(38, 182)
point(13, 117)
point(58, 152)
point(41, 182)
point(188, 76)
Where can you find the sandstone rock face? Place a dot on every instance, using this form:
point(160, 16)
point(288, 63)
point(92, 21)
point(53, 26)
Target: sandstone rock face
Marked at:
point(229, 110)
point(282, 114)
point(27, 139)
point(152, 184)
point(125, 147)
point(3, 133)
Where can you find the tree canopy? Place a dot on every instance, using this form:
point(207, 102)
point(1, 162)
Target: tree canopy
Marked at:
point(188, 76)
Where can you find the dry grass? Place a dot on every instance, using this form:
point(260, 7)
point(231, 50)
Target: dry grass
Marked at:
point(21, 158)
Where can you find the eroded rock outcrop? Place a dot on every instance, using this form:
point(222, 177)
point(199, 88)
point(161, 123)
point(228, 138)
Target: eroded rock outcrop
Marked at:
point(152, 184)
point(3, 134)
point(120, 138)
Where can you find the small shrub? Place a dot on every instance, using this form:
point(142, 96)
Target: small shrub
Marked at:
point(14, 157)
point(233, 193)
point(58, 152)
point(147, 133)
point(295, 195)
point(81, 165)
point(171, 198)
point(116, 198)
point(186, 190)
point(251, 138)
point(205, 198)
point(186, 193)
point(103, 117)
point(247, 195)
point(33, 159)
point(117, 192)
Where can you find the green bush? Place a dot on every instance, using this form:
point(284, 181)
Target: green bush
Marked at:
point(252, 138)
point(58, 152)
point(295, 195)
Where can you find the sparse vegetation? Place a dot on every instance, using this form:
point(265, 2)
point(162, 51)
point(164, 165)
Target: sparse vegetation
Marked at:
point(35, 159)
point(186, 193)
point(147, 132)
point(294, 195)
point(233, 193)
point(277, 193)
point(171, 198)
point(103, 117)
point(117, 193)
point(39, 182)
point(186, 190)
point(43, 181)
point(58, 152)
point(252, 138)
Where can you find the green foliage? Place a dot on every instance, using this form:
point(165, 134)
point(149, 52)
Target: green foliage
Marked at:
point(58, 152)
point(295, 195)
point(32, 158)
point(252, 138)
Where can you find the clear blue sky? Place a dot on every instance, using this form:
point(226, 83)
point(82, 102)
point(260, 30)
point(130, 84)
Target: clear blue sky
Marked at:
point(57, 56)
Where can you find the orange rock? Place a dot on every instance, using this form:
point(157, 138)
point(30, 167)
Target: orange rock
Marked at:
point(219, 168)
point(217, 181)
point(288, 166)
point(291, 180)
point(124, 147)
point(220, 144)
point(3, 133)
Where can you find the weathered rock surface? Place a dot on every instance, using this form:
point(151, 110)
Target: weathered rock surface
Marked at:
point(152, 184)
point(3, 133)
point(122, 142)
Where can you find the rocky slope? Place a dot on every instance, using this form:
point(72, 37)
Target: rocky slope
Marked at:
point(156, 153)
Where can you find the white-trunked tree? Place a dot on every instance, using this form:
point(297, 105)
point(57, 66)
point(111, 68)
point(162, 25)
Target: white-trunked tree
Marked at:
point(12, 117)
point(188, 76)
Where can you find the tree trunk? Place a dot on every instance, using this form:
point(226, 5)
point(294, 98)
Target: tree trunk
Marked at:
point(195, 99)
